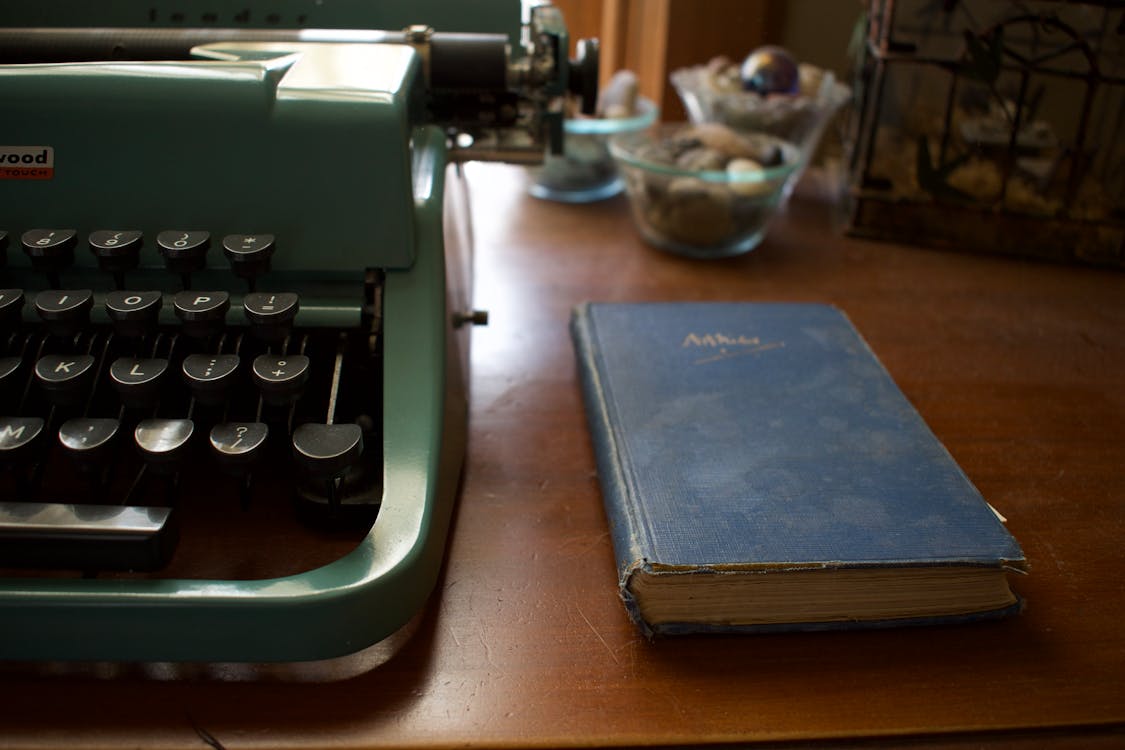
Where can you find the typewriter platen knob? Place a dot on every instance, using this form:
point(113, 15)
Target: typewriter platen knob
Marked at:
point(582, 77)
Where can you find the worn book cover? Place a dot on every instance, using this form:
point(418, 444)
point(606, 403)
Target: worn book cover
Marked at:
point(761, 470)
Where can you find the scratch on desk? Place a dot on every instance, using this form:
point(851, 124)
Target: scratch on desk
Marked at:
point(488, 652)
point(598, 635)
point(204, 735)
point(453, 635)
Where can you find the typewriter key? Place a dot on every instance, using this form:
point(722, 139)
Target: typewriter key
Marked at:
point(249, 254)
point(134, 313)
point(11, 305)
point(271, 314)
point(327, 450)
point(237, 445)
point(65, 311)
point(117, 251)
point(163, 442)
point(184, 252)
point(50, 250)
point(210, 376)
point(281, 378)
point(137, 381)
point(202, 313)
point(88, 440)
point(9, 366)
point(64, 377)
point(19, 436)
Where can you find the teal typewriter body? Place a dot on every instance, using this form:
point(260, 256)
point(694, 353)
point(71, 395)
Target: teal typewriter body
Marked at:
point(233, 309)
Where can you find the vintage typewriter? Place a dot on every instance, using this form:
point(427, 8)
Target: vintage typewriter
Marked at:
point(234, 307)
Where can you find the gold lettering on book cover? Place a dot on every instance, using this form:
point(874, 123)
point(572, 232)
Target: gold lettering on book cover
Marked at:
point(726, 346)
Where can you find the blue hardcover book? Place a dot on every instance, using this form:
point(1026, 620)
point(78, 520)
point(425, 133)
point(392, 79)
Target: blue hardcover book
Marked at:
point(761, 470)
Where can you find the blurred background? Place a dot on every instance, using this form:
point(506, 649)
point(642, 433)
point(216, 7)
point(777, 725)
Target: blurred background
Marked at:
point(655, 37)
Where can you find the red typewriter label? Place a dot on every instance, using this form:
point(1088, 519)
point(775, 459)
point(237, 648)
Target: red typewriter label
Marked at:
point(27, 162)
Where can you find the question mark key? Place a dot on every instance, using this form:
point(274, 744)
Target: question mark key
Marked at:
point(238, 445)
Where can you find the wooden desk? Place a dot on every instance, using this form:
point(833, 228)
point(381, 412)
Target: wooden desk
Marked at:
point(1018, 366)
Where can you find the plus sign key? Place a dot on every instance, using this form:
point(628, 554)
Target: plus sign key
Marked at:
point(281, 378)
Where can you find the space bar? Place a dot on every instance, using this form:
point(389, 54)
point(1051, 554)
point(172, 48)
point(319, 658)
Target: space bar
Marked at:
point(85, 537)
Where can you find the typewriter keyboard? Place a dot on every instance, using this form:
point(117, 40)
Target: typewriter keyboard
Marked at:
point(139, 425)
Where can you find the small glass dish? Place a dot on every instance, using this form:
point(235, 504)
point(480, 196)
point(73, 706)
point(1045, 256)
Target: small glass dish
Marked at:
point(585, 171)
point(800, 119)
point(701, 213)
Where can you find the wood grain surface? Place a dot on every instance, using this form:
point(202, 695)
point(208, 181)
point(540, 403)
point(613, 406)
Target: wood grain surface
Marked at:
point(1019, 367)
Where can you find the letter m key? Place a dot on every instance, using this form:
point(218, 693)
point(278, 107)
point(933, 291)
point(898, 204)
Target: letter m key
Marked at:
point(17, 432)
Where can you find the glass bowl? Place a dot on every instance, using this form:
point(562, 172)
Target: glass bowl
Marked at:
point(801, 119)
point(585, 171)
point(702, 213)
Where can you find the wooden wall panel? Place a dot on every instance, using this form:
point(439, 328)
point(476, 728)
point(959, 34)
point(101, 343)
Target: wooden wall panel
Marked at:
point(583, 18)
point(655, 37)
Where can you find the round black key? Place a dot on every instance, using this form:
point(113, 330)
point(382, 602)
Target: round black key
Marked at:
point(11, 306)
point(88, 439)
point(50, 250)
point(134, 313)
point(202, 313)
point(210, 376)
point(116, 250)
point(137, 381)
point(11, 380)
point(3, 248)
point(9, 366)
point(238, 445)
point(281, 378)
point(249, 254)
point(19, 436)
point(163, 443)
point(65, 311)
point(64, 377)
point(327, 450)
point(184, 252)
point(271, 314)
